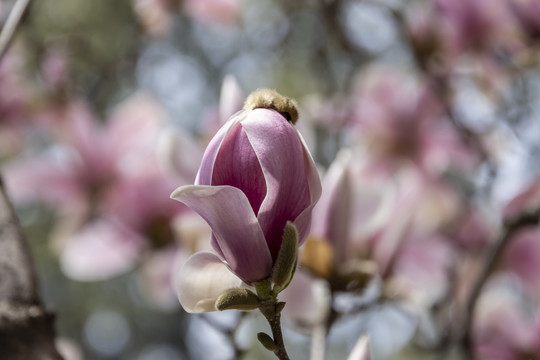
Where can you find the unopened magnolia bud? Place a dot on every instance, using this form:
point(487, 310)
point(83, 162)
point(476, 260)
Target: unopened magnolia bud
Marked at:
point(287, 258)
point(267, 341)
point(270, 99)
point(237, 299)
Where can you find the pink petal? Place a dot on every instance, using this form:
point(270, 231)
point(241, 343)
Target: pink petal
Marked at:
point(332, 215)
point(101, 250)
point(26, 180)
point(237, 165)
point(282, 156)
point(201, 280)
point(236, 229)
point(231, 98)
point(308, 300)
point(155, 278)
point(179, 154)
point(204, 176)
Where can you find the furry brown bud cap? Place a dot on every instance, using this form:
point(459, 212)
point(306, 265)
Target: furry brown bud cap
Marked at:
point(270, 99)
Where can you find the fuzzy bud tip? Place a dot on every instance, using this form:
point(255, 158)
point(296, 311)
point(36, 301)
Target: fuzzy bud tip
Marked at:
point(270, 99)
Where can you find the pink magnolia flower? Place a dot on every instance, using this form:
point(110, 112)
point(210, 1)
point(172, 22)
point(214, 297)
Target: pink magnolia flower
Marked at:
point(506, 325)
point(354, 206)
point(523, 258)
point(477, 24)
point(89, 157)
point(98, 168)
point(256, 175)
point(400, 121)
point(421, 270)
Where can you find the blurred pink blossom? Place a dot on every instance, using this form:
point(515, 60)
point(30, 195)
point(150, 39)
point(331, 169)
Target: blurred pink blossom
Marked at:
point(14, 103)
point(399, 121)
point(213, 12)
point(473, 230)
point(101, 249)
point(354, 206)
point(89, 156)
point(526, 201)
point(156, 277)
point(308, 301)
point(55, 67)
point(477, 24)
point(155, 16)
point(506, 326)
point(107, 185)
point(421, 272)
point(424, 206)
point(523, 258)
point(329, 113)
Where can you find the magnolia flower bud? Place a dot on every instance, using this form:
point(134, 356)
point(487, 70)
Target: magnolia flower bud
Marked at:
point(256, 175)
point(287, 259)
point(237, 299)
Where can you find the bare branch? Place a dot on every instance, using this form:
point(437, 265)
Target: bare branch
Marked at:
point(11, 25)
point(510, 229)
point(26, 328)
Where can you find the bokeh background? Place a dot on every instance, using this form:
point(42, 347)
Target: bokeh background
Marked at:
point(430, 107)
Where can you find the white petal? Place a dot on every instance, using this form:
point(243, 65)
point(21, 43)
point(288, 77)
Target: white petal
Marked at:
point(361, 350)
point(201, 280)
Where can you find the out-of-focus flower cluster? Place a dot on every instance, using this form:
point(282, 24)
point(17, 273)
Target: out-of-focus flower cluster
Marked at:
point(422, 117)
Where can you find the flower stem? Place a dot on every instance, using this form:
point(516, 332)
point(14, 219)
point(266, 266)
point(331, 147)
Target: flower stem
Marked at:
point(318, 342)
point(271, 310)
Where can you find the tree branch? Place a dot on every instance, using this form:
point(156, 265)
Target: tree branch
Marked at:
point(510, 229)
point(11, 25)
point(26, 328)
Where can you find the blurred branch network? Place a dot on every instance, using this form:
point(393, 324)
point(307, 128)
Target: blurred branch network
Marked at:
point(423, 116)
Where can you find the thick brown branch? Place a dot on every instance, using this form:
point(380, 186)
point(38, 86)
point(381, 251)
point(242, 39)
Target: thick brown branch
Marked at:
point(26, 328)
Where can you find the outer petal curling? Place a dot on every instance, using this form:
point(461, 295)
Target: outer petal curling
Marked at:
point(236, 229)
point(201, 280)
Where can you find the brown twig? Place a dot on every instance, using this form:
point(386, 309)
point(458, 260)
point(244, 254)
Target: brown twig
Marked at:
point(11, 25)
point(272, 312)
point(510, 229)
